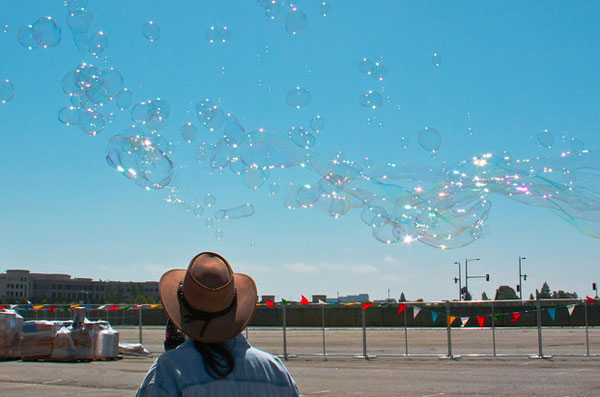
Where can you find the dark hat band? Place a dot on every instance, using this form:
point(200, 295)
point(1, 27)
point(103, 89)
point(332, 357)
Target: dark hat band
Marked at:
point(197, 315)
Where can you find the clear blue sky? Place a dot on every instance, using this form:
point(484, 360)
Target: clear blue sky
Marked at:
point(508, 71)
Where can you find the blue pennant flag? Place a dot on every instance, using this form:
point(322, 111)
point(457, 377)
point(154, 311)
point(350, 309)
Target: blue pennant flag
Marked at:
point(434, 316)
point(552, 313)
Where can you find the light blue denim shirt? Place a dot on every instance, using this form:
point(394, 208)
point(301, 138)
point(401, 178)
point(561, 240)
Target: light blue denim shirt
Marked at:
point(180, 372)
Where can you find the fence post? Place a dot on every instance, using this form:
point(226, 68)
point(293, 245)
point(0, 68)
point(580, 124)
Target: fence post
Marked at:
point(448, 329)
point(364, 332)
point(140, 323)
point(587, 337)
point(493, 329)
point(285, 356)
point(405, 332)
point(539, 326)
point(323, 325)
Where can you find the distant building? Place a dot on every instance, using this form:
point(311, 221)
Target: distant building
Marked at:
point(19, 285)
point(264, 298)
point(317, 298)
point(349, 298)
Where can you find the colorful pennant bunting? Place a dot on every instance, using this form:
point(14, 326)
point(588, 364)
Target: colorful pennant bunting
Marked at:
point(481, 321)
point(155, 306)
point(515, 317)
point(65, 309)
point(497, 317)
point(127, 307)
point(552, 313)
point(401, 308)
point(366, 305)
point(589, 299)
point(38, 307)
point(270, 303)
point(416, 311)
point(2, 307)
point(73, 306)
point(285, 302)
point(571, 308)
point(434, 316)
point(321, 302)
point(451, 319)
point(304, 301)
point(113, 308)
point(51, 308)
point(464, 321)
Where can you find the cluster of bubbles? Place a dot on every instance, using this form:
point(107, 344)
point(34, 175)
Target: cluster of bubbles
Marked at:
point(295, 19)
point(43, 33)
point(444, 207)
point(89, 89)
point(7, 91)
point(218, 34)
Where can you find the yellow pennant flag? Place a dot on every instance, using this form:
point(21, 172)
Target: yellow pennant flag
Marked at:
point(72, 306)
point(451, 319)
point(350, 304)
point(154, 306)
point(38, 307)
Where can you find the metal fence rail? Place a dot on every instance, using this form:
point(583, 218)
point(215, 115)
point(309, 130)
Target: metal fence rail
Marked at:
point(458, 329)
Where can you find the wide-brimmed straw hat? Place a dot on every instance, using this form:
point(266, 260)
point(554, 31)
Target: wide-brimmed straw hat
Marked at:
point(208, 301)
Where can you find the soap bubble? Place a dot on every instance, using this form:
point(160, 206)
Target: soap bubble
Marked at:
point(79, 20)
point(209, 200)
point(430, 139)
point(26, 37)
point(141, 158)
point(295, 21)
point(7, 91)
point(436, 59)
point(404, 142)
point(208, 222)
point(366, 66)
point(224, 34)
point(209, 114)
point(577, 145)
point(69, 115)
point(273, 188)
point(241, 211)
point(254, 178)
point(272, 9)
point(124, 99)
point(301, 137)
point(307, 196)
point(115, 80)
point(317, 123)
point(46, 32)
point(198, 210)
point(151, 31)
point(218, 34)
point(219, 234)
point(97, 43)
point(211, 34)
point(324, 9)
point(545, 138)
point(91, 122)
point(189, 132)
point(370, 99)
point(379, 71)
point(298, 97)
point(233, 128)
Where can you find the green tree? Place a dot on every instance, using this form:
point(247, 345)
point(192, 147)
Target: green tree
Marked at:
point(531, 297)
point(402, 297)
point(484, 296)
point(505, 292)
point(466, 295)
point(545, 292)
point(560, 294)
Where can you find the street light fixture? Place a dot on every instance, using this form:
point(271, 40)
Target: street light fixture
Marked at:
point(459, 281)
point(521, 277)
point(467, 272)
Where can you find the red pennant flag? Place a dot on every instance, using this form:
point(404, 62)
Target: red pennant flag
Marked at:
point(2, 307)
point(51, 308)
point(481, 320)
point(515, 317)
point(401, 308)
point(304, 301)
point(589, 299)
point(113, 308)
point(366, 305)
point(137, 307)
point(269, 303)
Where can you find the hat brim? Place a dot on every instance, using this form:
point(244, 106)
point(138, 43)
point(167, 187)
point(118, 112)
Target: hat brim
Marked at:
point(219, 329)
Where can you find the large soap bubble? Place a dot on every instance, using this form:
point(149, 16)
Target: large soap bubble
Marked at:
point(295, 21)
point(209, 114)
point(98, 43)
point(545, 138)
point(7, 90)
point(298, 97)
point(371, 99)
point(79, 20)
point(430, 139)
point(91, 122)
point(141, 157)
point(26, 37)
point(46, 32)
point(151, 31)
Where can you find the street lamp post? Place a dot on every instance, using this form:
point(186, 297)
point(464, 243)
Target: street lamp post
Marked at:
point(459, 281)
point(521, 277)
point(467, 271)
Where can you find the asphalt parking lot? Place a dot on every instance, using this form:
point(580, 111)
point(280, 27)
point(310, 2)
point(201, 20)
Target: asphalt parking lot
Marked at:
point(389, 374)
